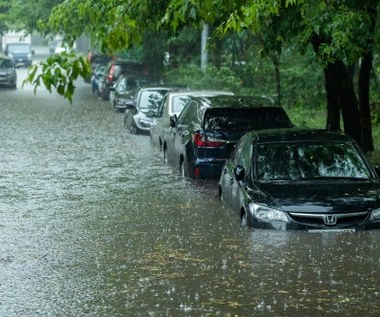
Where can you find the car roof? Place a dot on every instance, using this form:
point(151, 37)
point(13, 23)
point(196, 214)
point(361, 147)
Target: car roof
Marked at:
point(234, 101)
point(200, 93)
point(163, 87)
point(298, 134)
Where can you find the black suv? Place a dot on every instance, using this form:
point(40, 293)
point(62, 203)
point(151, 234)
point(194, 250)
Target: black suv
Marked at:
point(208, 128)
point(116, 68)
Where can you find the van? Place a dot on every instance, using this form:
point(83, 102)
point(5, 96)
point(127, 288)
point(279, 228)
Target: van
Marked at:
point(20, 53)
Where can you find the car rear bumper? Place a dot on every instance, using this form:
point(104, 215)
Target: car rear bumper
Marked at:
point(207, 170)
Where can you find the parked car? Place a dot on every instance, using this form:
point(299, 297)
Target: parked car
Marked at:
point(96, 59)
point(19, 53)
point(96, 74)
point(172, 104)
point(208, 128)
point(296, 179)
point(8, 75)
point(118, 67)
point(124, 90)
point(140, 111)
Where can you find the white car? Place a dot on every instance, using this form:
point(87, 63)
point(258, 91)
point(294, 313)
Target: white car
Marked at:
point(172, 104)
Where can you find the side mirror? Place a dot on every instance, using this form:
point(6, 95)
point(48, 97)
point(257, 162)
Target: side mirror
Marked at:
point(377, 169)
point(33, 52)
point(173, 121)
point(239, 172)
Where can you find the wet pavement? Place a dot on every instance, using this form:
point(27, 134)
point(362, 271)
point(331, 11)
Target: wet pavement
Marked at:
point(92, 223)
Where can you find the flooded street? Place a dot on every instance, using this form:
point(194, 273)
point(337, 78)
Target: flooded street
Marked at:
point(92, 223)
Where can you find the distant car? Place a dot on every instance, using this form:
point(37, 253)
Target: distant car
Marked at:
point(20, 53)
point(96, 59)
point(208, 128)
point(124, 90)
point(8, 75)
point(172, 104)
point(296, 179)
point(115, 69)
point(140, 111)
point(96, 74)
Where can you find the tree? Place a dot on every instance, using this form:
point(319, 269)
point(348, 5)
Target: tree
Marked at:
point(340, 31)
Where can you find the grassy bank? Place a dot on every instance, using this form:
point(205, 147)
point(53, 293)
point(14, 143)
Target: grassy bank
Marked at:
point(316, 118)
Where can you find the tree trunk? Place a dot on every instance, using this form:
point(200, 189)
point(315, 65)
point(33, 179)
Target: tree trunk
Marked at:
point(341, 95)
point(364, 80)
point(277, 79)
point(365, 111)
point(333, 109)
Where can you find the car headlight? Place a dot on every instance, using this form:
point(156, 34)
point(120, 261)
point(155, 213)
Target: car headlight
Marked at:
point(10, 55)
point(29, 56)
point(375, 215)
point(267, 214)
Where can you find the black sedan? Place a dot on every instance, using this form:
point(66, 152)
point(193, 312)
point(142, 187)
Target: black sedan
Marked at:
point(295, 179)
point(124, 91)
point(208, 128)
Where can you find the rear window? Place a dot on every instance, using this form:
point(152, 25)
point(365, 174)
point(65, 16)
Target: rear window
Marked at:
point(132, 68)
point(230, 119)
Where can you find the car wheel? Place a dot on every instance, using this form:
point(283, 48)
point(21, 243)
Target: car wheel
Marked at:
point(183, 168)
point(132, 129)
point(246, 219)
point(104, 95)
point(165, 157)
point(220, 194)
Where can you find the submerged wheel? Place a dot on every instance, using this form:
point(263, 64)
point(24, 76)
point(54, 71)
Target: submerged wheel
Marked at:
point(132, 129)
point(165, 157)
point(183, 168)
point(246, 219)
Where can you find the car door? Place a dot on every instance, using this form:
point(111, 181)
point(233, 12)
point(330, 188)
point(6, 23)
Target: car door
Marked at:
point(243, 159)
point(183, 131)
point(162, 120)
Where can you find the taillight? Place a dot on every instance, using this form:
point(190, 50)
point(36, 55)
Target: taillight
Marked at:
point(201, 140)
point(111, 72)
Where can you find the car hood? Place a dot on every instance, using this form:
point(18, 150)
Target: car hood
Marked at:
point(323, 197)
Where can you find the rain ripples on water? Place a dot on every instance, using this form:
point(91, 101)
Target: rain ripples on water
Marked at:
point(94, 224)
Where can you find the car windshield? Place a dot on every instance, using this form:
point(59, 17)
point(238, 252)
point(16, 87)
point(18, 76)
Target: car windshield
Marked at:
point(6, 63)
point(245, 119)
point(178, 103)
point(309, 161)
point(149, 99)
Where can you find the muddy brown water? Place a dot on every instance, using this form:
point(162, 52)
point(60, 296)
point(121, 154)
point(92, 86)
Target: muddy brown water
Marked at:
point(92, 223)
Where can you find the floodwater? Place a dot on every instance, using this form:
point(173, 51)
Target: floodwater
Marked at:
point(92, 223)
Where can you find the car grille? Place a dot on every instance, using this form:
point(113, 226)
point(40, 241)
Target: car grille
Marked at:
point(329, 219)
point(3, 78)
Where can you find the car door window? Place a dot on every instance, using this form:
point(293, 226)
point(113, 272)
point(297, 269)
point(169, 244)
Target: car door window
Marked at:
point(188, 113)
point(243, 154)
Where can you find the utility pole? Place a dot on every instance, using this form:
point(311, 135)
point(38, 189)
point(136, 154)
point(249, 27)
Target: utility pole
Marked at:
point(204, 52)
